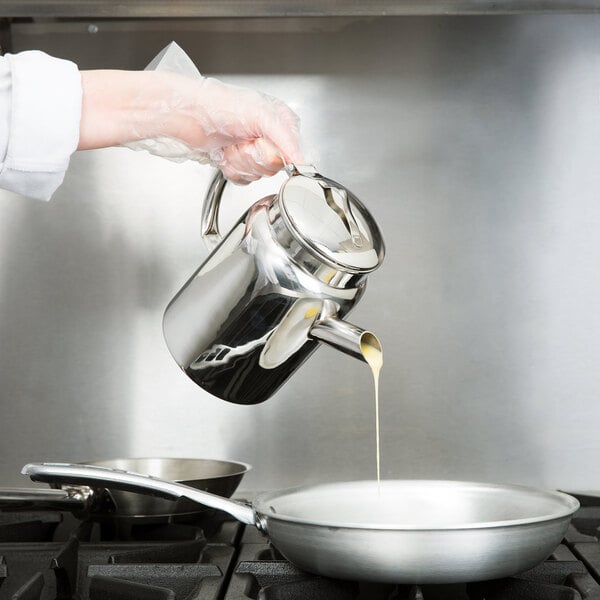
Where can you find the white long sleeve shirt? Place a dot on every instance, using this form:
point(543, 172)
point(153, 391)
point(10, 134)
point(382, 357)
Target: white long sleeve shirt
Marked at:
point(40, 112)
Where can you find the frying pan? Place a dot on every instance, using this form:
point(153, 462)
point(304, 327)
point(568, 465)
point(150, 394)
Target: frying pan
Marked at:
point(407, 532)
point(216, 476)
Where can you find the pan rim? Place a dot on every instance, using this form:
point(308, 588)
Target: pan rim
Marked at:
point(242, 470)
point(569, 505)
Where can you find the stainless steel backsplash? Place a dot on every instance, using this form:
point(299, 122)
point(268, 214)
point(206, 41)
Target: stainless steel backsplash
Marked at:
point(475, 143)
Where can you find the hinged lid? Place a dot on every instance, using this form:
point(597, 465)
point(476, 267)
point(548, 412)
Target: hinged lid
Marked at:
point(330, 221)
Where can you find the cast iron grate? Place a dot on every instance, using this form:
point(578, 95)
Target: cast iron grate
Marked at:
point(261, 573)
point(168, 560)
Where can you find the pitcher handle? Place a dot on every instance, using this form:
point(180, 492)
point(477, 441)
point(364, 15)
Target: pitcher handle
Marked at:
point(210, 211)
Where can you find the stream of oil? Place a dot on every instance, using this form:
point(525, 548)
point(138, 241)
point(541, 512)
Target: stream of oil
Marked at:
point(370, 347)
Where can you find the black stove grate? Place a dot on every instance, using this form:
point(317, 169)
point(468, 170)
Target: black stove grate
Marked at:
point(208, 556)
point(275, 579)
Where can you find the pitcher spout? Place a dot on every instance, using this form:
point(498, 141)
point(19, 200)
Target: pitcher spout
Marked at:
point(344, 336)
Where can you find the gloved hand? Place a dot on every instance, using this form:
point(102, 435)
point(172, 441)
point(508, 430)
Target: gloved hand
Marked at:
point(243, 132)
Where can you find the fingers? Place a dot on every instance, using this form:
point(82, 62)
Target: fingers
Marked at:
point(248, 161)
point(284, 132)
point(249, 115)
point(274, 121)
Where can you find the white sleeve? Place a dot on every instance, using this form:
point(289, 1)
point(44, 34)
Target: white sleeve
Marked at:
point(40, 112)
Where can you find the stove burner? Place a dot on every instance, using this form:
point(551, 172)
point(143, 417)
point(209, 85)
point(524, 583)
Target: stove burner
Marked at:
point(51, 555)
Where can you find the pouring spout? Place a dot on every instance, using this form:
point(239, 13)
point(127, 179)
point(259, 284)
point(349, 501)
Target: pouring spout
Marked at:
point(344, 336)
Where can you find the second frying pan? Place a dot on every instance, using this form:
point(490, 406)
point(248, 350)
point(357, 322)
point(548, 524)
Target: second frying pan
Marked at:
point(215, 476)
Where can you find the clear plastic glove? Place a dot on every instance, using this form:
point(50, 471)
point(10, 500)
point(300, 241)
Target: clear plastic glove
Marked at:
point(243, 132)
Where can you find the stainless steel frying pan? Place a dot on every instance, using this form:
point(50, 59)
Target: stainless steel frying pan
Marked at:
point(410, 532)
point(216, 476)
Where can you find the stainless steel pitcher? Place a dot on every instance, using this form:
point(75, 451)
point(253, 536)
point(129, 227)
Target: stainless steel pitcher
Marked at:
point(276, 285)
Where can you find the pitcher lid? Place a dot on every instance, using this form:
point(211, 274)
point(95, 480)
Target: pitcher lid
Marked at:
point(330, 221)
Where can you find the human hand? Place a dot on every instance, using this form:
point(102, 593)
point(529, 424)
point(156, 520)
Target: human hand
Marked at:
point(243, 132)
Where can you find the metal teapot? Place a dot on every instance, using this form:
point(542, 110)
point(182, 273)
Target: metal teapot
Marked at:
point(279, 283)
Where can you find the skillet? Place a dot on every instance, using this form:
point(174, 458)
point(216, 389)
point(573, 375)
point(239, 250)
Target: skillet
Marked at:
point(406, 532)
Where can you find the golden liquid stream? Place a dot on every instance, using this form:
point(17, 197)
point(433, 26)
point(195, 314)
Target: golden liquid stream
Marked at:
point(370, 347)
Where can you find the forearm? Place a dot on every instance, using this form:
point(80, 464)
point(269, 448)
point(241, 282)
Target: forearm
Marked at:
point(126, 106)
point(111, 105)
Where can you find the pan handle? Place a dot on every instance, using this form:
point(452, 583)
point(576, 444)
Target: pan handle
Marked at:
point(71, 499)
point(102, 477)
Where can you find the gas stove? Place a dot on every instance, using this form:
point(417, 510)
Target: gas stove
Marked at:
point(207, 555)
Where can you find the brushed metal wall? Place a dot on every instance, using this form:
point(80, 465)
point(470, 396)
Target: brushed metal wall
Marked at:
point(476, 144)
